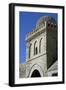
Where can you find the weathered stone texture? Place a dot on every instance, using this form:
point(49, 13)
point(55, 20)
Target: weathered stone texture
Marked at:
point(44, 60)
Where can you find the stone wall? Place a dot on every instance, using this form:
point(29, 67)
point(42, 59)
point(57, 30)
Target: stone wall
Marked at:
point(22, 70)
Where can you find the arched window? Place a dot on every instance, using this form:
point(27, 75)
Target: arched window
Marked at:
point(48, 24)
point(54, 25)
point(36, 73)
point(51, 24)
point(40, 44)
point(30, 50)
point(35, 48)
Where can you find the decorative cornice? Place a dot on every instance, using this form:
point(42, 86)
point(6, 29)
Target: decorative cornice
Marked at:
point(37, 33)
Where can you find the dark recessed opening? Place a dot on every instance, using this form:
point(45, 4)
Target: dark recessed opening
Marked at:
point(48, 24)
point(55, 25)
point(35, 74)
point(55, 74)
point(51, 25)
point(36, 50)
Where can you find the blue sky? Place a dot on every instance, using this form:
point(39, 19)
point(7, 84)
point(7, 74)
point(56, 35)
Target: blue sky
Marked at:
point(27, 22)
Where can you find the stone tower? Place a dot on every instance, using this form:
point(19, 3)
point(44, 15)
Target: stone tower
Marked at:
point(41, 47)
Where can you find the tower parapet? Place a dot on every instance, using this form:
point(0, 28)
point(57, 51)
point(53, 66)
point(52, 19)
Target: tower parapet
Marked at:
point(42, 24)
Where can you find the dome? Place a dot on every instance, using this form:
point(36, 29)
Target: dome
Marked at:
point(44, 19)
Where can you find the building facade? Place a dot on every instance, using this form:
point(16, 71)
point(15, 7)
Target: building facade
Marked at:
point(41, 49)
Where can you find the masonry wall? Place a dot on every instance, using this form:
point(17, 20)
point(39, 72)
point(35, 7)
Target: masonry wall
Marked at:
point(40, 61)
point(40, 58)
point(51, 46)
point(22, 70)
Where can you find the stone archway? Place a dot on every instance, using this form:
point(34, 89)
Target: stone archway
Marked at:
point(36, 71)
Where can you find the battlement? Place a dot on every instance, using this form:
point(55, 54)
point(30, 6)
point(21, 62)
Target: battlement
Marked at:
point(35, 32)
point(43, 23)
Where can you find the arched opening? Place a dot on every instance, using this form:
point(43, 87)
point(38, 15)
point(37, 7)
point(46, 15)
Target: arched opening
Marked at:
point(30, 50)
point(40, 45)
point(35, 48)
point(35, 74)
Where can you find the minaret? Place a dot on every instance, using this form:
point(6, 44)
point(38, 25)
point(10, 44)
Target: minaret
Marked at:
point(41, 47)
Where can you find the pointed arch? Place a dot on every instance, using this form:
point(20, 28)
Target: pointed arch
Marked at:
point(35, 48)
point(38, 68)
point(40, 44)
point(30, 50)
